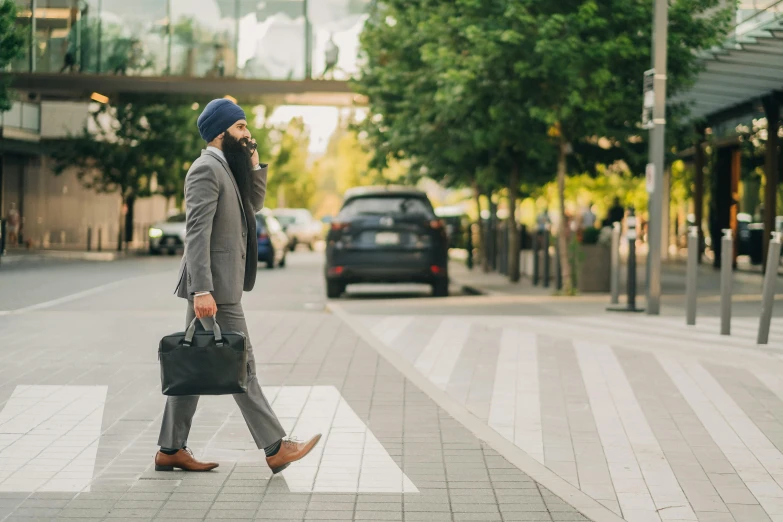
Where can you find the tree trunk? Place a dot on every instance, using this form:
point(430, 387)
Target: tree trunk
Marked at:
point(481, 231)
point(120, 222)
point(513, 229)
point(129, 228)
point(492, 236)
point(562, 236)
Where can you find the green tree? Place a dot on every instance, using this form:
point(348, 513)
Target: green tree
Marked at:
point(520, 89)
point(12, 42)
point(291, 181)
point(134, 149)
point(433, 99)
point(584, 61)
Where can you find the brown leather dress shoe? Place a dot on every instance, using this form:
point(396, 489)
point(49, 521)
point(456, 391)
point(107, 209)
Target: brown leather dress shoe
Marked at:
point(290, 451)
point(183, 459)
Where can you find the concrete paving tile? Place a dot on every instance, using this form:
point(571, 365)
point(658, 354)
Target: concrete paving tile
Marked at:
point(190, 514)
point(280, 514)
point(36, 502)
point(747, 513)
point(230, 514)
point(564, 517)
point(378, 515)
point(236, 505)
point(527, 516)
point(132, 513)
point(36, 512)
point(714, 517)
point(84, 514)
point(514, 508)
point(477, 517)
point(329, 515)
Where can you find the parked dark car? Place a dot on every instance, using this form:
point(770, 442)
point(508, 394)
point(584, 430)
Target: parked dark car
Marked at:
point(386, 235)
point(272, 241)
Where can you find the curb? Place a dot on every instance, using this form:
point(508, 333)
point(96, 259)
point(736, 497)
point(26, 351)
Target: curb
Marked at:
point(63, 254)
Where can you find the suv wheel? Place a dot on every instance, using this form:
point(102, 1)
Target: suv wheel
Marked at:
point(334, 289)
point(440, 287)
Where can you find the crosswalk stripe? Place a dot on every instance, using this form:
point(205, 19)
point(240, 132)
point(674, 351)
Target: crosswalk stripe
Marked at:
point(615, 416)
point(439, 357)
point(721, 417)
point(391, 327)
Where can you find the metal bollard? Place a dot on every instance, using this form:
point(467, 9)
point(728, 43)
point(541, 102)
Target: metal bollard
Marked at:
point(726, 262)
point(615, 281)
point(2, 238)
point(558, 267)
point(691, 274)
point(631, 283)
point(89, 239)
point(632, 261)
point(768, 293)
point(100, 239)
point(536, 250)
point(546, 257)
point(469, 246)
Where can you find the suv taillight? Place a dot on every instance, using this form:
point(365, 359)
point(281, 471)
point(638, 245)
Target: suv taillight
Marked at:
point(436, 224)
point(340, 227)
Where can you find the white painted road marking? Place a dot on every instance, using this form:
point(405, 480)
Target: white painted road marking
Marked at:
point(348, 459)
point(49, 437)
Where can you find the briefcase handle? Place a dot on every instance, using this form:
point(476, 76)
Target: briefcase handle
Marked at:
point(191, 331)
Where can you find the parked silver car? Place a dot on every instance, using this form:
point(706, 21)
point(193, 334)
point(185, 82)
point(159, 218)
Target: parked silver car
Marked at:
point(300, 226)
point(168, 236)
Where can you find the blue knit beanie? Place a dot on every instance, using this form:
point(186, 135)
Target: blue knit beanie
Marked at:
point(217, 117)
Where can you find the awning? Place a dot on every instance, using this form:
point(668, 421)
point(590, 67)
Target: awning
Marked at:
point(738, 74)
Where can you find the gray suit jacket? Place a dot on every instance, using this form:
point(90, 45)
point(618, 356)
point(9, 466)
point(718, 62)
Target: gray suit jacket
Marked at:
point(216, 231)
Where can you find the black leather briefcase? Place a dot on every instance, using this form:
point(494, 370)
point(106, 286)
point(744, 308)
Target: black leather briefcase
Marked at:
point(201, 362)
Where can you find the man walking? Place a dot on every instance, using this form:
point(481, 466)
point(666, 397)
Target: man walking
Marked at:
point(223, 189)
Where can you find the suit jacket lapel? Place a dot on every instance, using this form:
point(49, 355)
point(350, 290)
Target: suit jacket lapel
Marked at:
point(230, 176)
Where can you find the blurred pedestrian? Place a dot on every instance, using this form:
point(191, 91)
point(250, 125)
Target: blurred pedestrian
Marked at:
point(616, 213)
point(223, 189)
point(332, 56)
point(588, 217)
point(543, 221)
point(12, 226)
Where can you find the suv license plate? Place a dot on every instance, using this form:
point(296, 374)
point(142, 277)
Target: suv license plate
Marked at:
point(387, 238)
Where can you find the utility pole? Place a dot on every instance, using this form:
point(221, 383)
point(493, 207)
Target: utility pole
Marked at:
point(237, 15)
point(308, 42)
point(655, 167)
point(33, 43)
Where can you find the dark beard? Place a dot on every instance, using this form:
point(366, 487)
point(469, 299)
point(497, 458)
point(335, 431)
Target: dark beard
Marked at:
point(238, 156)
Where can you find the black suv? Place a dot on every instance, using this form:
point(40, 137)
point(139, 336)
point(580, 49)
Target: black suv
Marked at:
point(386, 235)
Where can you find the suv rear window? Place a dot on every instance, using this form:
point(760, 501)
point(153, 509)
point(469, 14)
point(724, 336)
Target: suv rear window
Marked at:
point(381, 205)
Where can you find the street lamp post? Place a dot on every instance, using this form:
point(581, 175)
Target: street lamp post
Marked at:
point(656, 166)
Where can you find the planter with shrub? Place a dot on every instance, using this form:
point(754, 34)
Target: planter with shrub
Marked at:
point(594, 261)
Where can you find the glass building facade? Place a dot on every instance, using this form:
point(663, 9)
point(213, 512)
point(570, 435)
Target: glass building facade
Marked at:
point(272, 39)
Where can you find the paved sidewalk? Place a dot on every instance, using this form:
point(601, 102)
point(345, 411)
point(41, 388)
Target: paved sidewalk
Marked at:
point(80, 409)
point(476, 281)
point(654, 420)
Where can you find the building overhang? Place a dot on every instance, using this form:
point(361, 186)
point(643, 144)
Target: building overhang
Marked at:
point(46, 86)
point(736, 76)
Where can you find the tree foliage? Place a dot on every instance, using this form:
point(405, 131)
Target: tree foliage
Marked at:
point(12, 42)
point(508, 93)
point(134, 148)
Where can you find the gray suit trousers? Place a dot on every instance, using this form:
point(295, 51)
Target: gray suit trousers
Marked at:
point(258, 414)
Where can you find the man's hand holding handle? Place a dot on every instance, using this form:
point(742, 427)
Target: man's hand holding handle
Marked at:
point(204, 305)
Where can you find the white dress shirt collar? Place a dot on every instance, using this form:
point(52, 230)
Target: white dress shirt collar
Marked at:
point(217, 151)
